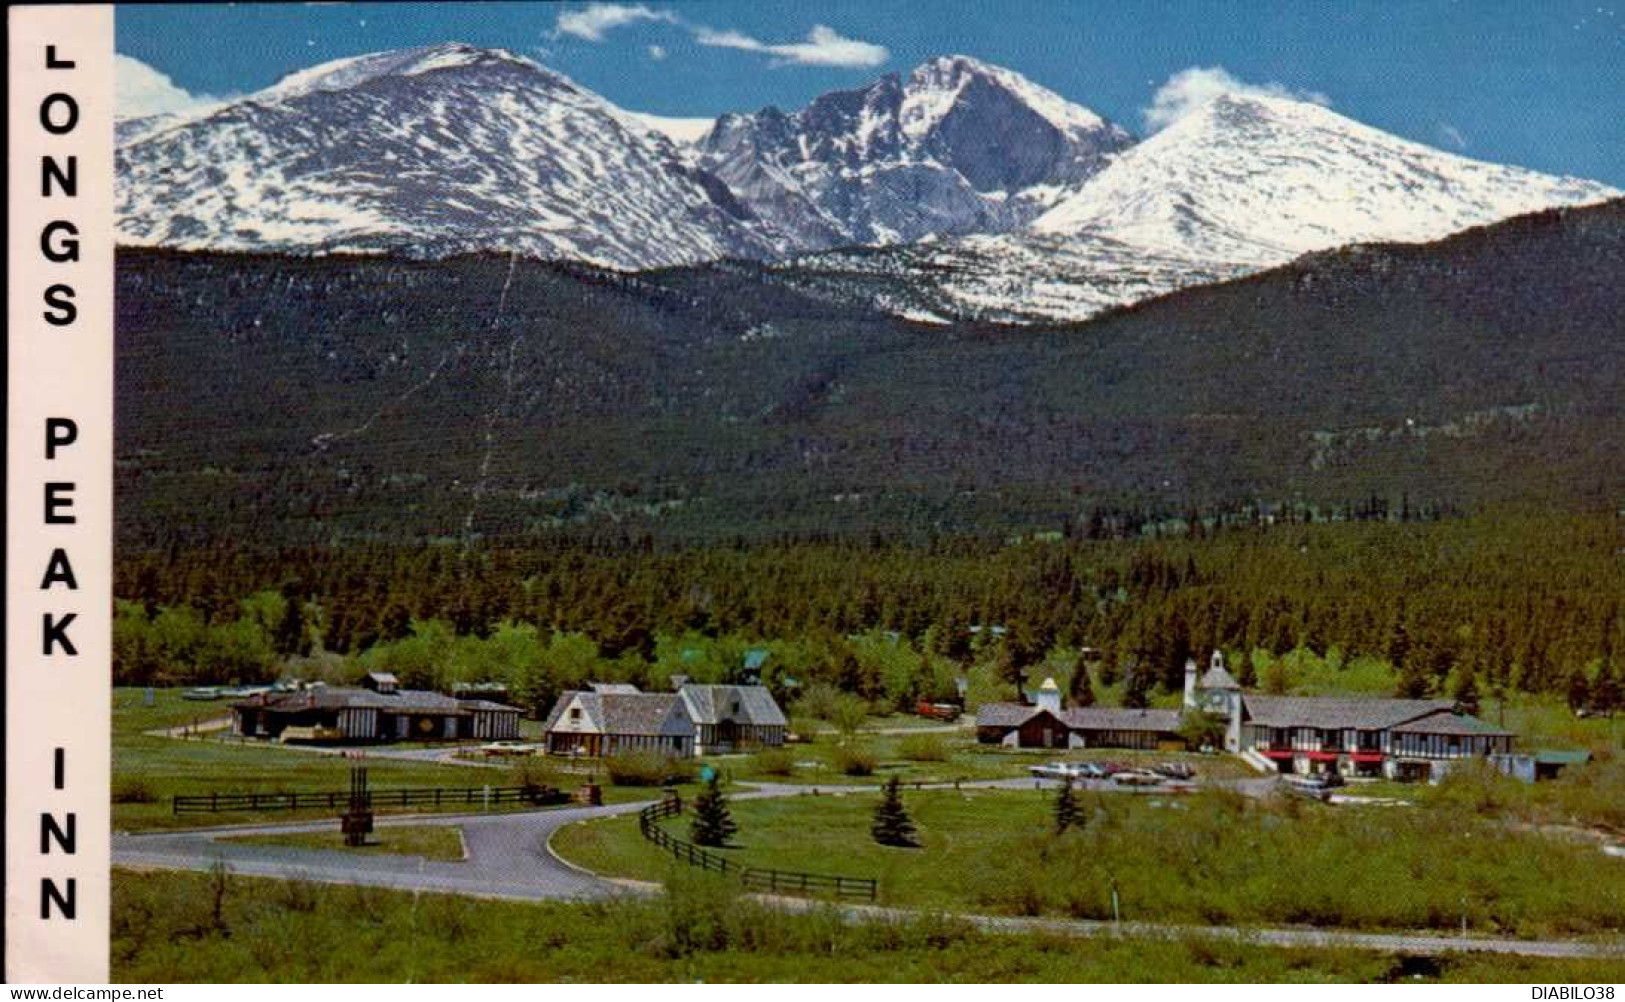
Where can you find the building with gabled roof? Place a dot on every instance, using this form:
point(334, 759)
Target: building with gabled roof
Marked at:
point(1353, 735)
point(598, 723)
point(1041, 723)
point(727, 717)
point(381, 711)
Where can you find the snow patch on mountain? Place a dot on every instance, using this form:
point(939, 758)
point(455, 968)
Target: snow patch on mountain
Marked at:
point(1242, 184)
point(956, 147)
point(429, 151)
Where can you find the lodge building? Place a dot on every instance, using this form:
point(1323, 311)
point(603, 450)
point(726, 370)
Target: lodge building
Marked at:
point(1354, 736)
point(609, 718)
point(1041, 723)
point(378, 711)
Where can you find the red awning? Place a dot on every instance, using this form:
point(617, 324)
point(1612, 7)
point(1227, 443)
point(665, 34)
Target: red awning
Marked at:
point(1278, 753)
point(1367, 756)
point(1322, 756)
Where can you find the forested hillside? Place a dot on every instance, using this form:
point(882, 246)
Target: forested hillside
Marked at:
point(1483, 604)
point(337, 399)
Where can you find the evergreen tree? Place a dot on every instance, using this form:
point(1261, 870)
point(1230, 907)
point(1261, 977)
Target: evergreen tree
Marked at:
point(1607, 692)
point(1579, 691)
point(1465, 691)
point(1067, 812)
point(1083, 691)
point(1137, 688)
point(891, 822)
point(290, 637)
point(713, 824)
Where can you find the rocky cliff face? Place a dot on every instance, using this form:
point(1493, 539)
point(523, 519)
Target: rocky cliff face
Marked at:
point(957, 146)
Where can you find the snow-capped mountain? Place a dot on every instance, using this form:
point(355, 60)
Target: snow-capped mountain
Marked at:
point(1238, 185)
point(957, 146)
point(968, 190)
point(428, 151)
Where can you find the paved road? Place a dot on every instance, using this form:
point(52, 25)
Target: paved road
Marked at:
point(507, 855)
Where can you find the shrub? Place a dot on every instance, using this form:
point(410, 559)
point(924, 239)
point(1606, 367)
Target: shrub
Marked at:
point(923, 748)
point(849, 714)
point(855, 760)
point(533, 772)
point(818, 701)
point(131, 790)
point(775, 762)
point(647, 768)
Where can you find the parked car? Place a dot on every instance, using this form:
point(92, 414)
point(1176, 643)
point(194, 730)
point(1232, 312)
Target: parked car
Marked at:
point(507, 748)
point(938, 711)
point(1136, 777)
point(1174, 770)
point(1064, 770)
point(1313, 787)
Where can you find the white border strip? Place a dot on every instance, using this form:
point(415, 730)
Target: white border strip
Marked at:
point(59, 497)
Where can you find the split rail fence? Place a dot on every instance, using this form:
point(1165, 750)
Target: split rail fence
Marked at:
point(755, 878)
point(214, 803)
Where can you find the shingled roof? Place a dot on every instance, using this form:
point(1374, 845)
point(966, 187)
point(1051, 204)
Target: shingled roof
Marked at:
point(1004, 714)
point(712, 704)
point(1091, 718)
point(636, 713)
point(1445, 722)
point(340, 698)
point(1337, 713)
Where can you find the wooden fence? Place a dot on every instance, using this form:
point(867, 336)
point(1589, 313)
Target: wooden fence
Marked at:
point(214, 803)
point(755, 878)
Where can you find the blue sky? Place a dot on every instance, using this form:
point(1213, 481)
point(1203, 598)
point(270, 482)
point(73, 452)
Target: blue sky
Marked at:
point(1539, 84)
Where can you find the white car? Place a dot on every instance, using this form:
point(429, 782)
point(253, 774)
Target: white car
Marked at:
point(1075, 771)
point(507, 748)
point(1136, 777)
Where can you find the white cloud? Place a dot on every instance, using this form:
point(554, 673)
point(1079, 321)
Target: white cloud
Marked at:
point(1452, 135)
point(1195, 86)
point(824, 47)
point(140, 90)
point(593, 21)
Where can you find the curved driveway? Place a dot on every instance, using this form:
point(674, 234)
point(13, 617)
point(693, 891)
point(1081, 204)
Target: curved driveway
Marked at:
point(507, 855)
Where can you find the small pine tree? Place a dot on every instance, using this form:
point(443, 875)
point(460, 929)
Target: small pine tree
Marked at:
point(713, 825)
point(1067, 812)
point(891, 824)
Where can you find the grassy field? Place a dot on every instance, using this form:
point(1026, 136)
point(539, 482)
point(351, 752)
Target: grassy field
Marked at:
point(223, 928)
point(1202, 859)
point(149, 770)
point(438, 842)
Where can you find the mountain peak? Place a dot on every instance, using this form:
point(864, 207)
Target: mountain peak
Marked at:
point(937, 84)
point(352, 71)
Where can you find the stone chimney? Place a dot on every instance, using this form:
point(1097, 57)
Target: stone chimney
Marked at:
point(1190, 683)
